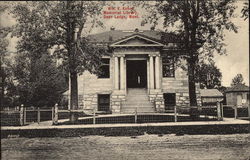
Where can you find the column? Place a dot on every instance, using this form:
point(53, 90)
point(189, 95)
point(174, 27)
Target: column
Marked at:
point(122, 80)
point(157, 72)
point(151, 71)
point(116, 73)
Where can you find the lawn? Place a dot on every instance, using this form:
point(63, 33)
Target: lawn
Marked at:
point(236, 146)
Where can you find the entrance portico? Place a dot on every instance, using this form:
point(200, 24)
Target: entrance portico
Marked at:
point(137, 71)
point(140, 69)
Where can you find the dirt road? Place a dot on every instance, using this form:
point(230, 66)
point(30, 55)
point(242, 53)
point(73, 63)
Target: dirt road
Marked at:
point(146, 147)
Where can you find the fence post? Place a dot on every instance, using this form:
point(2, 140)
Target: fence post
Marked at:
point(235, 112)
point(38, 115)
point(222, 112)
point(56, 114)
point(21, 115)
point(135, 115)
point(218, 111)
point(94, 122)
point(52, 114)
point(24, 114)
point(249, 111)
point(175, 114)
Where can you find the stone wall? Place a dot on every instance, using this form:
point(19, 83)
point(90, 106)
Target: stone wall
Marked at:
point(179, 86)
point(156, 97)
point(116, 102)
point(89, 86)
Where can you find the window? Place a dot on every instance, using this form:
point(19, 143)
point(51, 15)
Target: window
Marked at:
point(170, 100)
point(168, 67)
point(103, 102)
point(104, 69)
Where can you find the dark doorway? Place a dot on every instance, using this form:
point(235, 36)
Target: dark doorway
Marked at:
point(136, 73)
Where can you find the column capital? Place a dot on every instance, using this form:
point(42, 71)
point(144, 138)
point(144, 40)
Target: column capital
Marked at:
point(151, 55)
point(119, 55)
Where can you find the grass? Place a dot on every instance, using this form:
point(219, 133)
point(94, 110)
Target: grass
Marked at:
point(140, 119)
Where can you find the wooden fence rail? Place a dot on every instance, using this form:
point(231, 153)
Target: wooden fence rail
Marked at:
point(219, 111)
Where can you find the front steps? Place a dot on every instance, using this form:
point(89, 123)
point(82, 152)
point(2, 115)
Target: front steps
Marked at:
point(137, 99)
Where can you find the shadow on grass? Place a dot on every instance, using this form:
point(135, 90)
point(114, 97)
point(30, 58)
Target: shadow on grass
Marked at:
point(139, 119)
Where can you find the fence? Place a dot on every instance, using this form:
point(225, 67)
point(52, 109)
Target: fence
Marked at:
point(238, 112)
point(227, 111)
point(26, 115)
point(134, 117)
point(23, 115)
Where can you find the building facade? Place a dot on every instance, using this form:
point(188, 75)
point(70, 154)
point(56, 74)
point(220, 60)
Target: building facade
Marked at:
point(238, 95)
point(141, 74)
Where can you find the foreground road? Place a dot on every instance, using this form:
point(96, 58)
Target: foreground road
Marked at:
point(144, 147)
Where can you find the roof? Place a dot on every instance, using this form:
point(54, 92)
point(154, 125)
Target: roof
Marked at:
point(116, 35)
point(210, 93)
point(238, 88)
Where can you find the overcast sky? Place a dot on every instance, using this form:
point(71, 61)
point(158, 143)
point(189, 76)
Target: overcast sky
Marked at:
point(237, 58)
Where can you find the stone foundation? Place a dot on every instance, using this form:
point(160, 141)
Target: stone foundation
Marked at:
point(116, 102)
point(156, 97)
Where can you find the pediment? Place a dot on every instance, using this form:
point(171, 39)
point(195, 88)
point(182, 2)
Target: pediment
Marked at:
point(136, 41)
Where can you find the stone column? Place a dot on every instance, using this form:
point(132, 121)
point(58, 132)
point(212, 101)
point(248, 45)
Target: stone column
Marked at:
point(157, 72)
point(151, 71)
point(122, 76)
point(116, 73)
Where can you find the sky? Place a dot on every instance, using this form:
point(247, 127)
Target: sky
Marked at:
point(237, 44)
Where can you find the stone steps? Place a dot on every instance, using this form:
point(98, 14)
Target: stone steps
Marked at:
point(137, 99)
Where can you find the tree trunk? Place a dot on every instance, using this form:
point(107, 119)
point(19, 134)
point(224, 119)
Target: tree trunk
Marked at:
point(73, 82)
point(73, 97)
point(71, 47)
point(192, 89)
point(2, 82)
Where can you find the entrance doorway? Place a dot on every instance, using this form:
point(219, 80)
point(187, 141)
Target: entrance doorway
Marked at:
point(136, 73)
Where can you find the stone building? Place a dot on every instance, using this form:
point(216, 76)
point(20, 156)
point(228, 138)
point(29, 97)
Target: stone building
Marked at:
point(141, 74)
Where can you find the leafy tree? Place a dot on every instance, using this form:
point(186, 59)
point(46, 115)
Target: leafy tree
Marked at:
point(245, 10)
point(238, 79)
point(200, 24)
point(3, 46)
point(4, 61)
point(40, 84)
point(59, 26)
point(208, 75)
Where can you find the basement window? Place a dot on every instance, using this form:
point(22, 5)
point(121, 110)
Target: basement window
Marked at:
point(169, 100)
point(104, 69)
point(168, 66)
point(103, 102)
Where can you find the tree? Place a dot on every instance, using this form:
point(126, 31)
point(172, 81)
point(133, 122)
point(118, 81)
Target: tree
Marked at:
point(238, 79)
point(208, 75)
point(59, 26)
point(3, 46)
point(40, 84)
point(245, 10)
point(200, 24)
point(4, 67)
